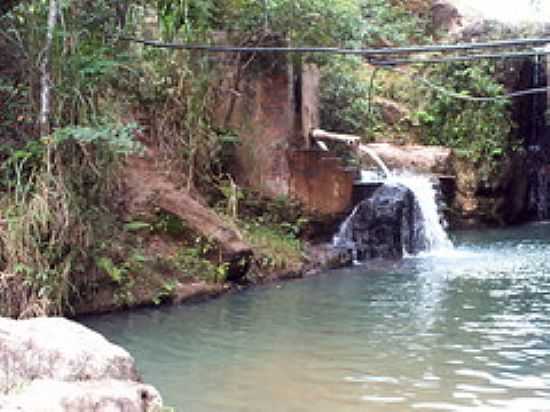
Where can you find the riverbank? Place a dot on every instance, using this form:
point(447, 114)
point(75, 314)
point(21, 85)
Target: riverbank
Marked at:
point(400, 335)
point(317, 258)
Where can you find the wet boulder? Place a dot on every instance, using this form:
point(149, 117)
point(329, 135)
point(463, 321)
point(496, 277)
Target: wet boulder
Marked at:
point(386, 225)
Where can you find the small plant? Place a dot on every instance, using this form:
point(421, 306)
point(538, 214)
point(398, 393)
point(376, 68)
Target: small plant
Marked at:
point(120, 275)
point(166, 291)
point(197, 260)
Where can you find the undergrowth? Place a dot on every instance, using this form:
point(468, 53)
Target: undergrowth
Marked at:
point(478, 131)
point(273, 227)
point(53, 216)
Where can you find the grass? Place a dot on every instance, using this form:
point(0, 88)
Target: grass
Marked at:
point(275, 248)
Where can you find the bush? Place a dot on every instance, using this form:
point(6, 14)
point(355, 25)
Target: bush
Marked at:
point(345, 97)
point(479, 131)
point(55, 215)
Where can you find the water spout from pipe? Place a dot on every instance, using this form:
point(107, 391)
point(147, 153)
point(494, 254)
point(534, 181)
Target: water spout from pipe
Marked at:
point(374, 156)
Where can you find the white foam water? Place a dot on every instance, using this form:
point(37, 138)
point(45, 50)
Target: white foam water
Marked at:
point(425, 193)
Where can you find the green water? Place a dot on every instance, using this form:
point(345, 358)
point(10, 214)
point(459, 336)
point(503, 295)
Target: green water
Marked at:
point(468, 331)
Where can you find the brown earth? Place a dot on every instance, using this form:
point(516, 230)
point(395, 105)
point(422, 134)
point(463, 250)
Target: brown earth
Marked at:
point(150, 187)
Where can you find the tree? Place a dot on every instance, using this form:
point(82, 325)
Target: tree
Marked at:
point(45, 73)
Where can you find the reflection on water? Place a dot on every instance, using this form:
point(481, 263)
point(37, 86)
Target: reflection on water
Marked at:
point(467, 331)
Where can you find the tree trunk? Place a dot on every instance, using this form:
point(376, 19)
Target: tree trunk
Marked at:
point(7, 5)
point(45, 72)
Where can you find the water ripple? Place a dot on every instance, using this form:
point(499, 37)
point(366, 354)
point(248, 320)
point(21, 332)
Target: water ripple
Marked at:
point(464, 331)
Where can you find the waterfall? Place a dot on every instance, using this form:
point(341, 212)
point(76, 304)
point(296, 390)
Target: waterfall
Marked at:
point(416, 217)
point(425, 193)
point(343, 239)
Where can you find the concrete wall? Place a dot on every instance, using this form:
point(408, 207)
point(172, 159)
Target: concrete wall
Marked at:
point(273, 104)
point(256, 97)
point(320, 182)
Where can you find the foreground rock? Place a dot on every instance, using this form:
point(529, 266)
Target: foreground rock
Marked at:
point(384, 226)
point(53, 364)
point(103, 396)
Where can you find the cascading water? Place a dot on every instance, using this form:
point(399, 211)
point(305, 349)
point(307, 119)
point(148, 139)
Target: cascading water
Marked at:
point(402, 217)
point(425, 194)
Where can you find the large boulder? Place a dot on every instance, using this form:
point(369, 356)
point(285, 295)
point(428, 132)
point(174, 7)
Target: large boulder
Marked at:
point(446, 16)
point(84, 396)
point(67, 364)
point(385, 225)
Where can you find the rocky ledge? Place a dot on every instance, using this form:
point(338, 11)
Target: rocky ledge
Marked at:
point(57, 365)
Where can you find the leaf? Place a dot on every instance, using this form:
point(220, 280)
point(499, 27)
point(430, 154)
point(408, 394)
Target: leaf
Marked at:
point(136, 226)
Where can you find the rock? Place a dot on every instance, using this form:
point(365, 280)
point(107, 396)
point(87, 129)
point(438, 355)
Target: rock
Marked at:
point(483, 197)
point(416, 158)
point(384, 225)
point(59, 349)
point(101, 395)
point(54, 364)
point(392, 112)
point(445, 16)
point(470, 21)
point(541, 193)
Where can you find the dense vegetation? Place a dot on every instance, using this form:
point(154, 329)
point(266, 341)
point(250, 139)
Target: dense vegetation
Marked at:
point(62, 218)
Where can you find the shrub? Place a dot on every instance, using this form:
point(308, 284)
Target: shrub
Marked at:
point(480, 131)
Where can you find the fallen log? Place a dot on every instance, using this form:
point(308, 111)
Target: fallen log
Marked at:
point(148, 186)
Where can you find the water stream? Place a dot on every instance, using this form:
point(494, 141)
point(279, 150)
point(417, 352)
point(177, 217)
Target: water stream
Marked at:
point(464, 332)
point(434, 236)
point(425, 193)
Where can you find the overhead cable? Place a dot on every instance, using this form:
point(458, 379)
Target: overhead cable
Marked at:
point(461, 96)
point(531, 42)
point(462, 58)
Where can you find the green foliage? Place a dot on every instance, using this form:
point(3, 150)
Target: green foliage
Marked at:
point(345, 97)
point(165, 292)
point(55, 214)
point(388, 24)
point(478, 131)
point(276, 248)
point(188, 18)
point(196, 260)
point(112, 139)
point(136, 226)
point(121, 277)
point(16, 118)
point(272, 227)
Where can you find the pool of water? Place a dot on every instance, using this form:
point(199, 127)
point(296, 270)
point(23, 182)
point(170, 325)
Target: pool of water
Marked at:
point(463, 331)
